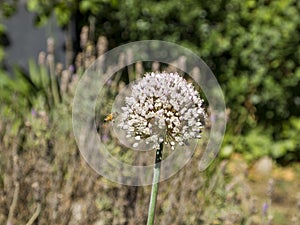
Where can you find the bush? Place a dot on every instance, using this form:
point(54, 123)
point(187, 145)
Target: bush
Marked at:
point(251, 46)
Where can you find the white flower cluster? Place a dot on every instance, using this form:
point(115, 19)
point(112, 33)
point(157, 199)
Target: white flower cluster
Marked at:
point(163, 107)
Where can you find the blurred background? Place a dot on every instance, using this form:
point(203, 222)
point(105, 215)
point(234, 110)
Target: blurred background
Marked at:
point(252, 47)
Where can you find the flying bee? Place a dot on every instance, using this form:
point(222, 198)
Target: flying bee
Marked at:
point(109, 118)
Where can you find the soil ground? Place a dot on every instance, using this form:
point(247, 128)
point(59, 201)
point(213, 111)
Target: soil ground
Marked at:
point(276, 188)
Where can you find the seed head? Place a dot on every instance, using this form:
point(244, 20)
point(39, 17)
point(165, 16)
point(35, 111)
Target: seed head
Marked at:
point(162, 107)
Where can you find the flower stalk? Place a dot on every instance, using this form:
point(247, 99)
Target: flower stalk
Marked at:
point(163, 109)
point(155, 184)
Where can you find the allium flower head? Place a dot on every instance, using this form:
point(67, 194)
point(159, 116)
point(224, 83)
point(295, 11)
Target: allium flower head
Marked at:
point(162, 107)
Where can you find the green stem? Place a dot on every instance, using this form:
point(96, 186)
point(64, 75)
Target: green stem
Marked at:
point(154, 191)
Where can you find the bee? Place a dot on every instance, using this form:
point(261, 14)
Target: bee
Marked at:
point(109, 118)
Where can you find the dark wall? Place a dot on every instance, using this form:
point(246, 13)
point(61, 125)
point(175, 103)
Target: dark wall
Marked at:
point(25, 41)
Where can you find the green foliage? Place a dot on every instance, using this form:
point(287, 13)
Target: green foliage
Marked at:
point(36, 101)
point(288, 147)
point(25, 91)
point(253, 145)
point(44, 9)
point(18, 91)
point(252, 47)
point(64, 10)
point(19, 95)
point(95, 6)
point(259, 142)
point(7, 8)
point(2, 41)
point(253, 44)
